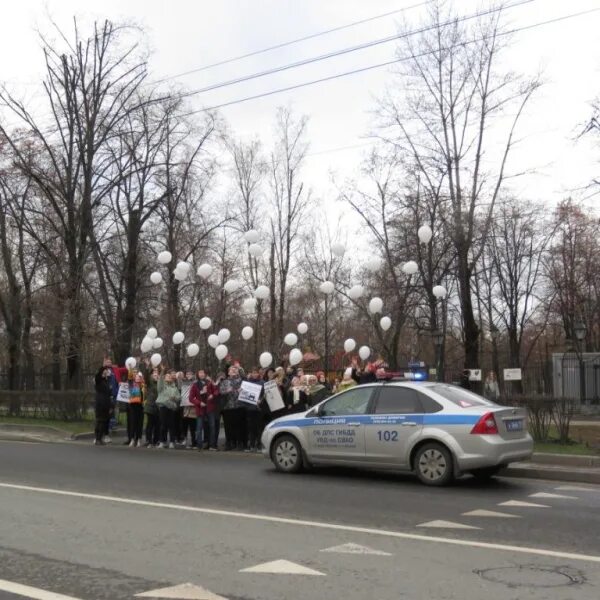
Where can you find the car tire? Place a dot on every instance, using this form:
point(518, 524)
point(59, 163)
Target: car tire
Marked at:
point(286, 454)
point(433, 464)
point(486, 473)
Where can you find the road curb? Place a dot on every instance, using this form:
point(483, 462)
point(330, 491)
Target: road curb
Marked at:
point(553, 473)
point(567, 460)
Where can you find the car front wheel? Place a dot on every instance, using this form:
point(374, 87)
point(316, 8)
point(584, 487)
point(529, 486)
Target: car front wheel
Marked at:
point(433, 464)
point(286, 454)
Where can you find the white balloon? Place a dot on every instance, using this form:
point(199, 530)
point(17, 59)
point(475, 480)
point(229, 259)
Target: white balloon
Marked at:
point(265, 359)
point(156, 359)
point(410, 267)
point(205, 323)
point(373, 263)
point(375, 305)
point(178, 337)
point(157, 343)
point(290, 339)
point(364, 352)
point(439, 291)
point(231, 286)
point(184, 267)
point(255, 250)
point(338, 249)
point(252, 236)
point(327, 287)
point(152, 333)
point(385, 323)
point(224, 335)
point(295, 356)
point(146, 344)
point(130, 363)
point(180, 275)
point(249, 305)
point(221, 351)
point(302, 328)
point(425, 234)
point(156, 278)
point(204, 271)
point(349, 345)
point(247, 332)
point(261, 292)
point(165, 257)
point(213, 340)
point(356, 292)
point(193, 349)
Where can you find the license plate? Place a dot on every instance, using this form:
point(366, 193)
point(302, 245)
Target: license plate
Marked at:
point(514, 425)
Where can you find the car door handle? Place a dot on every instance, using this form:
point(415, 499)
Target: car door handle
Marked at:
point(353, 424)
point(409, 424)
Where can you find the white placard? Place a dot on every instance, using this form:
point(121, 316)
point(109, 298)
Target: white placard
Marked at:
point(512, 374)
point(249, 392)
point(186, 386)
point(474, 374)
point(273, 396)
point(123, 394)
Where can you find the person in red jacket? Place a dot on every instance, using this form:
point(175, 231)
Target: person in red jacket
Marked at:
point(203, 395)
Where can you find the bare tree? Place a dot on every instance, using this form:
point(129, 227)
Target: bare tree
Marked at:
point(290, 201)
point(89, 89)
point(453, 95)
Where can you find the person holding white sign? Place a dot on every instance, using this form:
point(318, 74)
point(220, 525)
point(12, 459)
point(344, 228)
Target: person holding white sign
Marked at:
point(253, 413)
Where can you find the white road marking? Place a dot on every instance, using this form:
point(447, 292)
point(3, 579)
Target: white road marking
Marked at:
point(576, 488)
point(317, 524)
point(282, 567)
point(355, 549)
point(490, 513)
point(447, 525)
point(547, 495)
point(184, 591)
point(18, 589)
point(523, 504)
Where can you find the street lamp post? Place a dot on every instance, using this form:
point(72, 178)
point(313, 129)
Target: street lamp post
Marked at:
point(580, 332)
point(438, 341)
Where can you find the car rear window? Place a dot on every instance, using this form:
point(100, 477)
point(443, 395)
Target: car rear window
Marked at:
point(460, 396)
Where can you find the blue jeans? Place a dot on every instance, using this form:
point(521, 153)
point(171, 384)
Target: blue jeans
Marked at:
point(211, 419)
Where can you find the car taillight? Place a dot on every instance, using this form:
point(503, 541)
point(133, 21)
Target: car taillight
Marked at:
point(486, 425)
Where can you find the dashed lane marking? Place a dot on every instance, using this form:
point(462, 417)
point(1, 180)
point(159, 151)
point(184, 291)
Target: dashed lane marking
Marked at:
point(355, 549)
point(281, 567)
point(551, 496)
point(184, 591)
point(523, 504)
point(18, 589)
point(447, 525)
point(316, 524)
point(490, 513)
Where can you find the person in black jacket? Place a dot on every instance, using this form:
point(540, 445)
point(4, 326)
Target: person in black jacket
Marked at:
point(366, 376)
point(296, 399)
point(103, 403)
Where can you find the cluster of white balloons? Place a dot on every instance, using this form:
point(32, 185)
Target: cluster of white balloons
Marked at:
point(364, 351)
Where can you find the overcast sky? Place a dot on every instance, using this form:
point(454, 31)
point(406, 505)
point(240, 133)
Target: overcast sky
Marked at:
point(184, 35)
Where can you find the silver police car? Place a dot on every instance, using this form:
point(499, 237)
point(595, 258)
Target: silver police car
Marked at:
point(436, 430)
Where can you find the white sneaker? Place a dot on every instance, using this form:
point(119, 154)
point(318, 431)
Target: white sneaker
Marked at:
point(172, 446)
point(131, 444)
point(160, 445)
point(107, 439)
point(139, 444)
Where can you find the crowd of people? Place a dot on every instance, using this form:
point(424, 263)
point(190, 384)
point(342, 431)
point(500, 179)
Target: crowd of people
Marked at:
point(169, 409)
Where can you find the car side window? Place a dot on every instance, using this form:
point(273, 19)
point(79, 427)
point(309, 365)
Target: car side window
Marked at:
point(397, 400)
point(353, 402)
point(428, 403)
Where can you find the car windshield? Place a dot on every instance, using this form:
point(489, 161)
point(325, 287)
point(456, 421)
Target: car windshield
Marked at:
point(460, 396)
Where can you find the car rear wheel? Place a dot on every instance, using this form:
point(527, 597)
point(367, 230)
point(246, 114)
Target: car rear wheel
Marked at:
point(433, 464)
point(486, 473)
point(286, 454)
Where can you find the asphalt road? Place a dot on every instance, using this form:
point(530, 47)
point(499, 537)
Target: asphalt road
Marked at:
point(112, 522)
